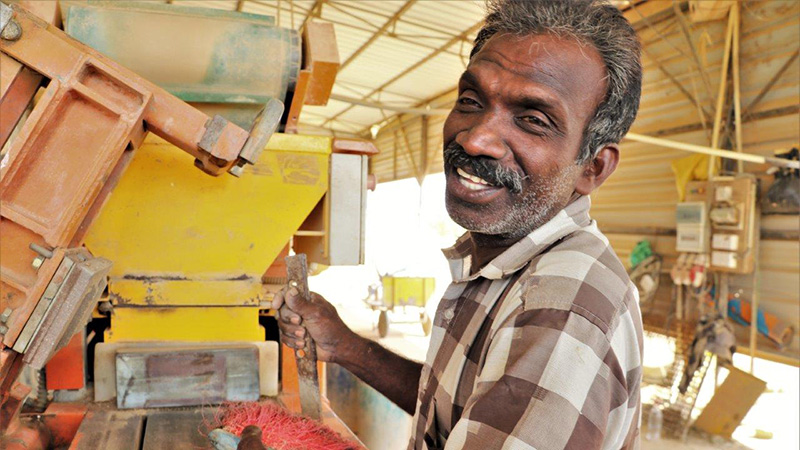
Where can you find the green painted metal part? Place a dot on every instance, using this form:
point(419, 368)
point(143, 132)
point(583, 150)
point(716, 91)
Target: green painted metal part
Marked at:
point(201, 55)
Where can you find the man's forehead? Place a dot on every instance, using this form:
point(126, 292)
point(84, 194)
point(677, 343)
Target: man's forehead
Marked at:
point(562, 64)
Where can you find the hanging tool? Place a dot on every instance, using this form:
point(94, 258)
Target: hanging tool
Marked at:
point(308, 378)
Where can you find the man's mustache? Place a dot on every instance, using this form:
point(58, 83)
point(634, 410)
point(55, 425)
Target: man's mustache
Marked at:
point(489, 169)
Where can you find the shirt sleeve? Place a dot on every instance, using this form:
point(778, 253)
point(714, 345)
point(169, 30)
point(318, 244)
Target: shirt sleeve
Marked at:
point(551, 380)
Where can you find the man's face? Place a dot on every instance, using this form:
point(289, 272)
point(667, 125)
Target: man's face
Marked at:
point(512, 139)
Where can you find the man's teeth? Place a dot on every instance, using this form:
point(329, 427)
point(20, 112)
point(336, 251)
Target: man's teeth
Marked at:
point(471, 181)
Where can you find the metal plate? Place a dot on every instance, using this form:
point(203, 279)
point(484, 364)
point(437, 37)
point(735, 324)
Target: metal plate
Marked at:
point(156, 377)
point(178, 430)
point(118, 430)
point(71, 307)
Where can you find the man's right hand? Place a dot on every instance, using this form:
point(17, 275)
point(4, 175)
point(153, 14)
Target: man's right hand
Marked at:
point(392, 375)
point(317, 317)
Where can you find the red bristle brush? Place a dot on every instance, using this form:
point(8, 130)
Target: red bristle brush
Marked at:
point(280, 429)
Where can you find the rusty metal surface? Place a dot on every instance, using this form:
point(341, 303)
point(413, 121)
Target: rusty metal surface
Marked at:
point(165, 115)
point(178, 430)
point(63, 421)
point(15, 393)
point(5, 16)
point(110, 429)
point(296, 101)
point(25, 325)
point(71, 150)
point(59, 170)
point(72, 302)
point(354, 146)
point(321, 57)
point(214, 129)
point(66, 368)
point(18, 84)
point(264, 126)
point(45, 10)
point(308, 377)
point(26, 434)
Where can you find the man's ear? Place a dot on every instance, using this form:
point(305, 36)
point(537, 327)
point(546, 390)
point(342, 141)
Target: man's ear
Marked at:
point(597, 170)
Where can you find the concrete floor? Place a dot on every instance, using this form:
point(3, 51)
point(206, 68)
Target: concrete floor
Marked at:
point(776, 411)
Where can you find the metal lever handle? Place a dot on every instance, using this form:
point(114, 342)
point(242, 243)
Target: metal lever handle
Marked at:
point(264, 126)
point(308, 378)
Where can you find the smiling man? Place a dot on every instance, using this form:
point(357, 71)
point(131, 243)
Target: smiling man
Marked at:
point(537, 343)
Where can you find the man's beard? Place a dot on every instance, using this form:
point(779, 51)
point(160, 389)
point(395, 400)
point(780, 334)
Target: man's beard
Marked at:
point(532, 205)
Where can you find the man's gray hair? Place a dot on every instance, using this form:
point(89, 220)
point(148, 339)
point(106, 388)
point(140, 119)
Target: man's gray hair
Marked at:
point(593, 22)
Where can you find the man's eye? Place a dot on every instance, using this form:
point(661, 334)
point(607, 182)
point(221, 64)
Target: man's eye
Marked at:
point(466, 101)
point(534, 120)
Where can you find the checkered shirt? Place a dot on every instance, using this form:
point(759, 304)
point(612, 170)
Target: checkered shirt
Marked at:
point(539, 349)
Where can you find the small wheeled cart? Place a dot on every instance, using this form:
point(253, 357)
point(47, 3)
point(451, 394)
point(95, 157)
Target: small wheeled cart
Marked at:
point(403, 292)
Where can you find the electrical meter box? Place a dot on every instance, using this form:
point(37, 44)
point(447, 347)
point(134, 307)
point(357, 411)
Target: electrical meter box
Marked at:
point(733, 219)
point(692, 233)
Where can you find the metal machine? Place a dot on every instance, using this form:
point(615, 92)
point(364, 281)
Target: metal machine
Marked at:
point(178, 317)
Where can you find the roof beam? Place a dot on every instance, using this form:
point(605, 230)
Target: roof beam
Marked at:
point(351, 85)
point(684, 26)
point(749, 108)
point(351, 5)
point(704, 116)
point(415, 66)
point(378, 33)
point(311, 13)
point(354, 16)
point(320, 116)
point(399, 37)
point(316, 10)
point(383, 106)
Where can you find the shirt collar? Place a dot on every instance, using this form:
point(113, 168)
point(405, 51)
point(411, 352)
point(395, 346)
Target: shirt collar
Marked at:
point(574, 216)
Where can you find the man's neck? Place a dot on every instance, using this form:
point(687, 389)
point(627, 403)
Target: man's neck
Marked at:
point(495, 240)
point(507, 240)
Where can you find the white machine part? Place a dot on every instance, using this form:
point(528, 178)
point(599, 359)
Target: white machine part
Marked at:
point(348, 202)
point(725, 242)
point(723, 193)
point(721, 218)
point(726, 215)
point(728, 260)
point(692, 227)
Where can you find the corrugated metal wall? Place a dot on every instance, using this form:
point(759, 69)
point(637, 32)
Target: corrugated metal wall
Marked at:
point(638, 201)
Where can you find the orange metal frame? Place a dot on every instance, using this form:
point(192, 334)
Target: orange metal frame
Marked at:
point(66, 159)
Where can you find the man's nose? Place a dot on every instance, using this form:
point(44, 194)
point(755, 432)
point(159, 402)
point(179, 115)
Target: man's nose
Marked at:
point(484, 138)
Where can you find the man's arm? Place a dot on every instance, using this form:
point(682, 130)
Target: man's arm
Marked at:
point(390, 374)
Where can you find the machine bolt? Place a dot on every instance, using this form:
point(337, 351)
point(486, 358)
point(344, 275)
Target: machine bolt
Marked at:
point(236, 171)
point(41, 250)
point(37, 262)
point(3, 329)
point(11, 32)
point(6, 314)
